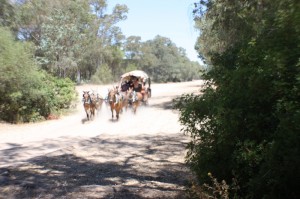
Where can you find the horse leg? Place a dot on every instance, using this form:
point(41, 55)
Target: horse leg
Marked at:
point(121, 106)
point(87, 114)
point(112, 113)
point(117, 113)
point(134, 109)
point(145, 98)
point(92, 113)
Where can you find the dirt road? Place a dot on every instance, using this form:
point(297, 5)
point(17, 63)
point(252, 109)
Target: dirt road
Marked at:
point(139, 156)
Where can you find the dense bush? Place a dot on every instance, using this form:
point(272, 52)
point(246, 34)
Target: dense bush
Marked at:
point(246, 124)
point(27, 93)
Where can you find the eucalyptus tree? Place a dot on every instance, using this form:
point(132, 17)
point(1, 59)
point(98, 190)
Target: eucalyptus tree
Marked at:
point(30, 15)
point(132, 47)
point(64, 40)
point(160, 48)
point(164, 61)
point(110, 37)
point(59, 29)
point(73, 38)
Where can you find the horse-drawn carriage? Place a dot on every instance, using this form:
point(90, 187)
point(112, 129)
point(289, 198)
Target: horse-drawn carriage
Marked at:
point(134, 89)
point(127, 82)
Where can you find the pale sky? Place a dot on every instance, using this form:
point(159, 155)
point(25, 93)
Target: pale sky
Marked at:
point(168, 18)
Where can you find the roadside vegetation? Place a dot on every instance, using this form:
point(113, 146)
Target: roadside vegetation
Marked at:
point(245, 127)
point(28, 93)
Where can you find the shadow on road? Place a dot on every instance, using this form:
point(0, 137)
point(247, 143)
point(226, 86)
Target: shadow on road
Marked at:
point(101, 167)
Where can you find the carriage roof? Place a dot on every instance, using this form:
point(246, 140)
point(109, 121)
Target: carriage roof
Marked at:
point(136, 73)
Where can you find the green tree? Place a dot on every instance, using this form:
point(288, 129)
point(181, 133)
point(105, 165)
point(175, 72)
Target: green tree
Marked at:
point(246, 123)
point(27, 93)
point(132, 47)
point(73, 38)
point(111, 39)
point(63, 41)
point(164, 61)
point(103, 75)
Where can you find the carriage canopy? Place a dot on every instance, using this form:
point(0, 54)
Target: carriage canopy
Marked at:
point(136, 73)
point(142, 77)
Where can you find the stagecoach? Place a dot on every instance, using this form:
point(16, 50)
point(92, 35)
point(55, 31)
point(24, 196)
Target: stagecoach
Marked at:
point(133, 89)
point(143, 78)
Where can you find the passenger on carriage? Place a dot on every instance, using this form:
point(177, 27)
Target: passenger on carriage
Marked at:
point(125, 86)
point(137, 87)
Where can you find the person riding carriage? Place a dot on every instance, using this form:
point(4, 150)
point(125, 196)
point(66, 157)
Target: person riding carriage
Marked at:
point(137, 82)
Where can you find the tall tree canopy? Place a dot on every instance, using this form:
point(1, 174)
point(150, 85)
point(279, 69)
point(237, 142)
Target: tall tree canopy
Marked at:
point(161, 58)
point(73, 38)
point(79, 39)
point(246, 124)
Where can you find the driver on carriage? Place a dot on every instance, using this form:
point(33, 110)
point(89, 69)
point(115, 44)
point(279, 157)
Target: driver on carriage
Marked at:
point(137, 87)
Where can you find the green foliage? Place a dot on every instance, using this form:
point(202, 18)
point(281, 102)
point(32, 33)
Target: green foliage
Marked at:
point(132, 47)
point(28, 94)
point(75, 38)
point(161, 59)
point(246, 123)
point(72, 38)
point(6, 13)
point(130, 67)
point(64, 93)
point(102, 75)
point(62, 43)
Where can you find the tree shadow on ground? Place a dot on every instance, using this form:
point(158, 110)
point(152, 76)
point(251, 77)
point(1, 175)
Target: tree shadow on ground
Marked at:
point(169, 105)
point(166, 105)
point(133, 167)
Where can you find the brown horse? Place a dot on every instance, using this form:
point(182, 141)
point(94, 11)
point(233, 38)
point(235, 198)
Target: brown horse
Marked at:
point(135, 98)
point(88, 106)
point(126, 101)
point(115, 101)
point(145, 93)
point(97, 102)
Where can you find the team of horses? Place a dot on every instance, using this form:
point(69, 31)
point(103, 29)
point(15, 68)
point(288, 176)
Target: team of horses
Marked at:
point(117, 101)
point(91, 102)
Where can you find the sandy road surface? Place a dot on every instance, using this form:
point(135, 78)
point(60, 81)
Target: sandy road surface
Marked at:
point(139, 156)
